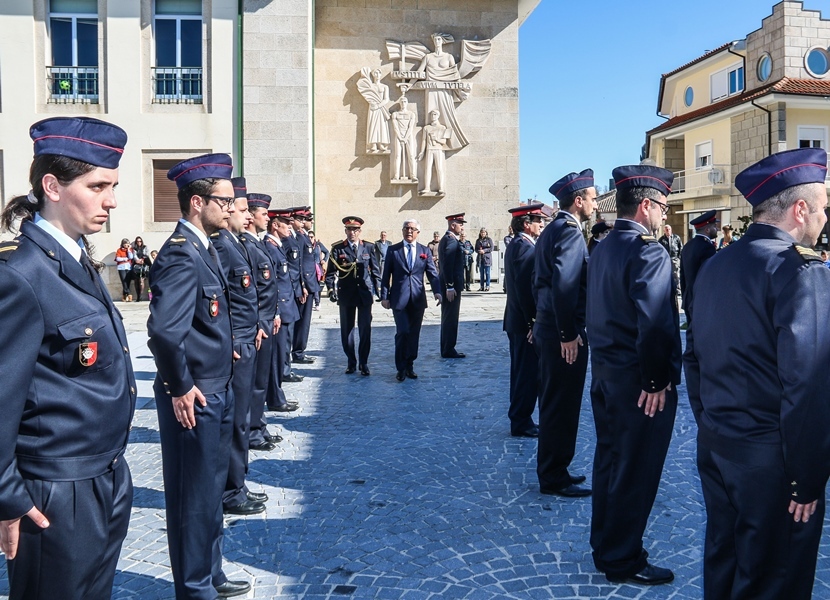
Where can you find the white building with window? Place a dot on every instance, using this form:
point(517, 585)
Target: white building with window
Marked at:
point(738, 103)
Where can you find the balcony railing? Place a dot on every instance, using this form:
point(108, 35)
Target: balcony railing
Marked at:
point(72, 85)
point(716, 179)
point(177, 85)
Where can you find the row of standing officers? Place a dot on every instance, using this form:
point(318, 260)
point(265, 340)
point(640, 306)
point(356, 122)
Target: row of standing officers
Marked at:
point(758, 393)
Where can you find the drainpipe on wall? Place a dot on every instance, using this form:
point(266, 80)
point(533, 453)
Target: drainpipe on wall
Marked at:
point(240, 120)
point(742, 45)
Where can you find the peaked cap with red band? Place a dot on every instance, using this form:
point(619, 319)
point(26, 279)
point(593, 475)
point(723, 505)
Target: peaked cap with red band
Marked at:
point(207, 166)
point(631, 176)
point(458, 217)
point(534, 208)
point(283, 214)
point(571, 183)
point(89, 140)
point(240, 188)
point(259, 201)
point(707, 218)
point(353, 221)
point(780, 171)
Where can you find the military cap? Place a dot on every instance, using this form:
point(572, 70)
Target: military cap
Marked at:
point(534, 208)
point(600, 227)
point(456, 218)
point(89, 140)
point(206, 166)
point(240, 189)
point(571, 183)
point(780, 171)
point(707, 218)
point(632, 176)
point(259, 201)
point(352, 222)
point(283, 214)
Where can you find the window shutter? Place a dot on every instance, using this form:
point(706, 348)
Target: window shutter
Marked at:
point(718, 82)
point(165, 201)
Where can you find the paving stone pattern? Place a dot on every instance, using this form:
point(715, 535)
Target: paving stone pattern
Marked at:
point(410, 490)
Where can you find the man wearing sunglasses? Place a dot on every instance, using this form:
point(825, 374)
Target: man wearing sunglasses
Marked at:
point(633, 331)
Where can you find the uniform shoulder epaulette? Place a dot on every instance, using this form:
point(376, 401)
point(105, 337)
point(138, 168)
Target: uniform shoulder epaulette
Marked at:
point(178, 240)
point(6, 249)
point(648, 239)
point(808, 254)
point(338, 242)
point(214, 235)
point(571, 223)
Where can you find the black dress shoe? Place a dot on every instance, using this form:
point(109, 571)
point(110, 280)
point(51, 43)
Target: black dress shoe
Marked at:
point(574, 478)
point(454, 355)
point(570, 491)
point(276, 439)
point(245, 508)
point(650, 575)
point(364, 370)
point(400, 376)
point(350, 370)
point(531, 432)
point(292, 378)
point(285, 407)
point(257, 497)
point(264, 446)
point(233, 588)
point(305, 360)
point(411, 374)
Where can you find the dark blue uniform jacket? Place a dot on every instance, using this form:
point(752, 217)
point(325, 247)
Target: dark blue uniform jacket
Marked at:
point(287, 305)
point(451, 260)
point(694, 254)
point(356, 274)
point(520, 310)
point(266, 283)
point(244, 304)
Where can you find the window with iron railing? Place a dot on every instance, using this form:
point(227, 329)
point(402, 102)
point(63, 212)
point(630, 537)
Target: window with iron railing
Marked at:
point(177, 76)
point(73, 33)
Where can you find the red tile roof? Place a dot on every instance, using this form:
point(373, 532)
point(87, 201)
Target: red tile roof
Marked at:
point(798, 87)
point(717, 50)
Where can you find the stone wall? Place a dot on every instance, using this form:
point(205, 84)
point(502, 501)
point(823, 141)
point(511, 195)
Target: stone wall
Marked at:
point(482, 178)
point(276, 99)
point(675, 155)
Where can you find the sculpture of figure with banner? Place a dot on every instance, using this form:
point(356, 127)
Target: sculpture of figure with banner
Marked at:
point(377, 123)
point(404, 122)
point(433, 146)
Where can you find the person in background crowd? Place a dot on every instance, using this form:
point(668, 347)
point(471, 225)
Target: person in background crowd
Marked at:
point(69, 391)
point(124, 265)
point(381, 246)
point(141, 266)
point(674, 246)
point(484, 258)
point(759, 394)
point(321, 257)
point(598, 233)
point(509, 237)
point(153, 255)
point(468, 250)
point(433, 248)
point(698, 250)
point(727, 238)
point(824, 258)
point(633, 330)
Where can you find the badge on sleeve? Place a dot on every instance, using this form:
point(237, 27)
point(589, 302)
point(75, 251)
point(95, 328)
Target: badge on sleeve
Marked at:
point(285, 267)
point(214, 308)
point(88, 353)
point(266, 274)
point(246, 281)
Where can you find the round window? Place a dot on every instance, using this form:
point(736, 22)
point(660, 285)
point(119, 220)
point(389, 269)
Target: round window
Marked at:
point(764, 67)
point(689, 96)
point(817, 62)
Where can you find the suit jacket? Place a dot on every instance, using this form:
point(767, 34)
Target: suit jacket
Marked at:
point(520, 309)
point(54, 407)
point(266, 282)
point(451, 259)
point(355, 274)
point(403, 286)
point(632, 318)
point(308, 271)
point(764, 381)
point(189, 325)
point(244, 304)
point(694, 254)
point(286, 302)
point(561, 278)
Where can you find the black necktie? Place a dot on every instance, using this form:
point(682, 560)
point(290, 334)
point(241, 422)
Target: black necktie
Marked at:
point(212, 252)
point(91, 272)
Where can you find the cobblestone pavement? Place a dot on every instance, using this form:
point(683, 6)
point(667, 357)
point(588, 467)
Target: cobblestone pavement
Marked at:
point(410, 490)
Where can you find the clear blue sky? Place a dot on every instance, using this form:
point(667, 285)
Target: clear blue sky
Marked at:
point(590, 71)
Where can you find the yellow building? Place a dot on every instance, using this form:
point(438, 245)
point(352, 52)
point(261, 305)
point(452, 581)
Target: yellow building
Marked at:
point(737, 104)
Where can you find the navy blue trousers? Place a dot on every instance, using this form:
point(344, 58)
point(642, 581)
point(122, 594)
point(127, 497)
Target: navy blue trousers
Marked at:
point(281, 356)
point(450, 312)
point(301, 329)
point(75, 557)
point(265, 373)
point(628, 463)
point(407, 335)
point(195, 463)
point(364, 330)
point(523, 382)
point(243, 381)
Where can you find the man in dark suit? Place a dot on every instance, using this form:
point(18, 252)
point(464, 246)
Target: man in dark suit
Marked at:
point(632, 325)
point(68, 392)
point(247, 339)
point(559, 332)
point(759, 393)
point(699, 249)
point(351, 278)
point(311, 286)
point(451, 258)
point(191, 340)
point(402, 289)
point(519, 315)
